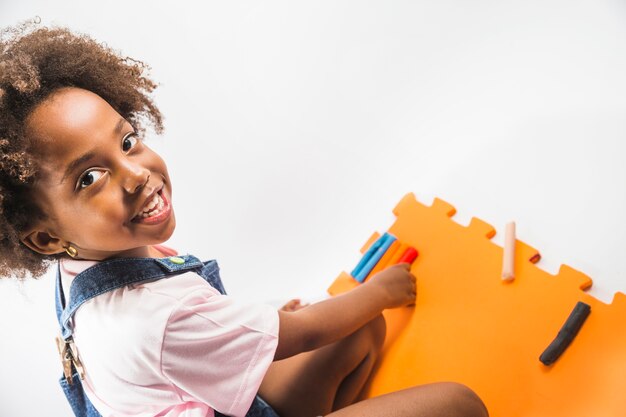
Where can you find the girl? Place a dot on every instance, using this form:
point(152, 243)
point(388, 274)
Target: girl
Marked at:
point(146, 332)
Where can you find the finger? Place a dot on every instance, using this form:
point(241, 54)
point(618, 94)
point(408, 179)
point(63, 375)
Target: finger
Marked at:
point(291, 304)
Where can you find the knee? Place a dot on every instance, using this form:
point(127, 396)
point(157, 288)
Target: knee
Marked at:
point(368, 339)
point(464, 401)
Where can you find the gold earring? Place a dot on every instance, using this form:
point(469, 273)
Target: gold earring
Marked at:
point(71, 250)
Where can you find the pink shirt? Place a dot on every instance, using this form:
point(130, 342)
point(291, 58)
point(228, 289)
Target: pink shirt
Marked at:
point(171, 347)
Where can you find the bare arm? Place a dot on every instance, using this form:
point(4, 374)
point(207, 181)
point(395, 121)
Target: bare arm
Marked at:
point(330, 320)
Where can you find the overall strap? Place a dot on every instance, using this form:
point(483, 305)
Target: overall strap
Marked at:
point(112, 274)
point(98, 279)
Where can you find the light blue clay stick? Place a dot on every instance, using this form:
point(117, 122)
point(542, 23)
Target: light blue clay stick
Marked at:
point(386, 241)
point(367, 255)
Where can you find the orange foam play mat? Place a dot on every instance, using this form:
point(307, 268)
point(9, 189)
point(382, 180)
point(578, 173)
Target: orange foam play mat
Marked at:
point(470, 326)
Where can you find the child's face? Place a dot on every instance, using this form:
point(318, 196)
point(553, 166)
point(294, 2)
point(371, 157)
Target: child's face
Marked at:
point(98, 182)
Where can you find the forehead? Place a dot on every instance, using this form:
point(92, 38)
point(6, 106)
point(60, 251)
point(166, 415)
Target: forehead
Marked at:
point(70, 118)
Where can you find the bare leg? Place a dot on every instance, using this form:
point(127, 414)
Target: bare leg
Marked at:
point(444, 399)
point(315, 383)
point(331, 378)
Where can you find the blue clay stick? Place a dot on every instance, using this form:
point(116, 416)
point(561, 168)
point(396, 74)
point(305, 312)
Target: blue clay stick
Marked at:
point(367, 255)
point(387, 240)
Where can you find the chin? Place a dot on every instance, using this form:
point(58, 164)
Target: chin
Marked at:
point(168, 231)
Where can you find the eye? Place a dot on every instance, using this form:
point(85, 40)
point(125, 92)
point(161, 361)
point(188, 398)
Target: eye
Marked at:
point(89, 178)
point(129, 141)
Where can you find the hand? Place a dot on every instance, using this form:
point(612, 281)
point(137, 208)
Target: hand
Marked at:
point(398, 283)
point(293, 305)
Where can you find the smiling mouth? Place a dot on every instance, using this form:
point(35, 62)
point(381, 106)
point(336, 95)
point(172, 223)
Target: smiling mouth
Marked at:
point(155, 211)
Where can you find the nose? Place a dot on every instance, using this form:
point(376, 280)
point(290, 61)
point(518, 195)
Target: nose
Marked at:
point(134, 177)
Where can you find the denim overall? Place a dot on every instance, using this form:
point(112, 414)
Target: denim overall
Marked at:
point(107, 276)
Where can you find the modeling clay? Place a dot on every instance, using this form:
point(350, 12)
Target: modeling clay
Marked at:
point(408, 256)
point(467, 327)
point(368, 255)
point(386, 242)
point(567, 333)
point(384, 261)
point(508, 260)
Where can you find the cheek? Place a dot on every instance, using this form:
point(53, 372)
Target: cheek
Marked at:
point(103, 210)
point(155, 162)
point(52, 208)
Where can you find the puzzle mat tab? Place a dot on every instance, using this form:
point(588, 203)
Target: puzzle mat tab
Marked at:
point(470, 326)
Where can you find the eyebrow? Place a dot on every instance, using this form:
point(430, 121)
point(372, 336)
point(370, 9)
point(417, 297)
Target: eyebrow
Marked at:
point(119, 126)
point(77, 162)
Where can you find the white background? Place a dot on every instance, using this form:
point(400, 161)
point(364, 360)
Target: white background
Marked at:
point(293, 129)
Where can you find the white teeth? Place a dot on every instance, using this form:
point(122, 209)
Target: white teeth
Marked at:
point(152, 204)
point(153, 207)
point(155, 200)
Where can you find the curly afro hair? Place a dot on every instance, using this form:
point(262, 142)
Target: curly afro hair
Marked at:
point(34, 62)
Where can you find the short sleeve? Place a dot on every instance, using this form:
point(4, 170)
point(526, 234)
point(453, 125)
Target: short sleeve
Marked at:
point(217, 349)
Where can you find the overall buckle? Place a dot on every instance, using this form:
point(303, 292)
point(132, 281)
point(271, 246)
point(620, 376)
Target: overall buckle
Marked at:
point(69, 356)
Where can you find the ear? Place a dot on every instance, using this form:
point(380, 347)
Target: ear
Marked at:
point(42, 242)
